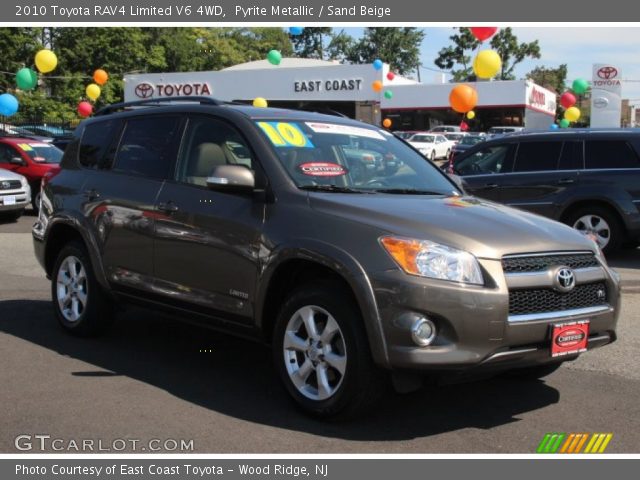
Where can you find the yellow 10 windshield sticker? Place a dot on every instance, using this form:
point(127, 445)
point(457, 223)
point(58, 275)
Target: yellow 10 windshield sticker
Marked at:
point(285, 134)
point(25, 146)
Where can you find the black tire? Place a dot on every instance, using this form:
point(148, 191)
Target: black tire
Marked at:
point(616, 229)
point(362, 384)
point(533, 373)
point(97, 313)
point(433, 155)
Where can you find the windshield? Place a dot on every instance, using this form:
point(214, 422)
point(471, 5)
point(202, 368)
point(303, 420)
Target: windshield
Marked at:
point(422, 138)
point(42, 152)
point(471, 140)
point(454, 136)
point(346, 158)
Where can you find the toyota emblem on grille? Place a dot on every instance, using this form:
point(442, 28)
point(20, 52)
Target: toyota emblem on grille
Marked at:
point(607, 73)
point(5, 185)
point(144, 90)
point(565, 279)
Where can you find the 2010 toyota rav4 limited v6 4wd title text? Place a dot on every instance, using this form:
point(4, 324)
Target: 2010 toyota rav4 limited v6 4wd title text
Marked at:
point(332, 240)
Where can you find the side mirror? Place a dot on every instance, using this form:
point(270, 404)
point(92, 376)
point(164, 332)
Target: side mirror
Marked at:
point(457, 180)
point(231, 178)
point(16, 161)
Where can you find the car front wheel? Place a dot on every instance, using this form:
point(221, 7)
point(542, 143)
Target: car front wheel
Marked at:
point(322, 355)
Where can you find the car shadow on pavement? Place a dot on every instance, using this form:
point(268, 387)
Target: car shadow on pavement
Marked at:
point(235, 377)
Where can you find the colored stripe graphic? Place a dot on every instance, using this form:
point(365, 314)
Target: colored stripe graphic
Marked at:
point(574, 442)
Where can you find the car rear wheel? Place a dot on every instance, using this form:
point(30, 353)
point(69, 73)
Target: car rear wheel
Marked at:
point(433, 155)
point(321, 353)
point(600, 224)
point(81, 306)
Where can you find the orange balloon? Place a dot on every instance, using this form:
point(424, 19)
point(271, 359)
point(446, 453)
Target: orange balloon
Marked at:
point(463, 98)
point(377, 86)
point(100, 76)
point(386, 123)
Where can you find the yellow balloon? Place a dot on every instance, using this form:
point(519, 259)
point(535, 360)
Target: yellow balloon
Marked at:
point(487, 64)
point(471, 115)
point(46, 61)
point(93, 91)
point(259, 102)
point(572, 114)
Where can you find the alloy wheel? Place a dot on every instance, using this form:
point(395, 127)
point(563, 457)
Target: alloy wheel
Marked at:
point(72, 289)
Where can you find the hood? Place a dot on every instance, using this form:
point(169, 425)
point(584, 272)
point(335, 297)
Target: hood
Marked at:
point(9, 175)
point(485, 229)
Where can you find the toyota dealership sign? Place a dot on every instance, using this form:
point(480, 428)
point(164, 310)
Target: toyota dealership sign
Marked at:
point(606, 95)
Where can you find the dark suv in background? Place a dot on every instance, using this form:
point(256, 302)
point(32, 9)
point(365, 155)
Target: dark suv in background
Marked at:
point(588, 179)
point(267, 223)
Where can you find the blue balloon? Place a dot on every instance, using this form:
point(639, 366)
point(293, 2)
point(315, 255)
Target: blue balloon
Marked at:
point(295, 30)
point(377, 64)
point(8, 104)
point(554, 126)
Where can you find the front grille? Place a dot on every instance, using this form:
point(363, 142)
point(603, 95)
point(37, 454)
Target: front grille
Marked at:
point(10, 184)
point(542, 300)
point(543, 262)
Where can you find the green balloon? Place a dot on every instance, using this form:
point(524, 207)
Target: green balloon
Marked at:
point(564, 123)
point(580, 85)
point(26, 79)
point(388, 94)
point(274, 57)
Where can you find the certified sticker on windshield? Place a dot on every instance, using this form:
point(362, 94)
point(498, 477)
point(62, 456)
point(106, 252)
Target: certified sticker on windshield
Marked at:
point(344, 130)
point(322, 169)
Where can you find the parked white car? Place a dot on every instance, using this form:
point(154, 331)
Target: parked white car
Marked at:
point(15, 194)
point(431, 145)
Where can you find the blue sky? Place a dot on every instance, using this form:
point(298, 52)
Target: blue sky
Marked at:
point(578, 47)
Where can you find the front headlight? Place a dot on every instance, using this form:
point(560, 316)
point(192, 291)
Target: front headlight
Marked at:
point(430, 259)
point(23, 182)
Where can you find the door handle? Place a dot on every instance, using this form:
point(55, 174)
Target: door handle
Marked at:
point(91, 194)
point(168, 207)
point(566, 181)
point(490, 185)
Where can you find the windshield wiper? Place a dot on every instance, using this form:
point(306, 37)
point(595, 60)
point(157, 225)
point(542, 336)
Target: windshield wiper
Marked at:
point(407, 191)
point(329, 188)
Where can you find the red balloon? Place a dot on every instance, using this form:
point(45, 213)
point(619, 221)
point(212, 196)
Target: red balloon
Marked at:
point(391, 76)
point(483, 33)
point(567, 99)
point(85, 109)
point(463, 126)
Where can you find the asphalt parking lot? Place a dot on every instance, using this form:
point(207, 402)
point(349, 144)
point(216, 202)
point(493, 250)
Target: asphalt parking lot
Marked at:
point(150, 379)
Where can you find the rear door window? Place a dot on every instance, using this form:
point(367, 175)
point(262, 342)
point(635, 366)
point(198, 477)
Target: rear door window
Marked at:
point(571, 157)
point(98, 142)
point(149, 146)
point(607, 154)
point(537, 156)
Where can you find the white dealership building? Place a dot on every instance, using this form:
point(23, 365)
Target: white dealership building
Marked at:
point(327, 86)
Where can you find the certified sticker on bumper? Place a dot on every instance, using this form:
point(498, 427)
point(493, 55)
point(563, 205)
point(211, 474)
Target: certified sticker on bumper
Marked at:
point(569, 338)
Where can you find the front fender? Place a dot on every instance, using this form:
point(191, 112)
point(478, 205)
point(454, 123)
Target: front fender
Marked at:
point(343, 264)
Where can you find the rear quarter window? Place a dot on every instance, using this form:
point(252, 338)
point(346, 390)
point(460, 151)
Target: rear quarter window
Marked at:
point(607, 154)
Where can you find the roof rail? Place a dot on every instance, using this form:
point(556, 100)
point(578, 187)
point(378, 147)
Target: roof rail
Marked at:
point(157, 101)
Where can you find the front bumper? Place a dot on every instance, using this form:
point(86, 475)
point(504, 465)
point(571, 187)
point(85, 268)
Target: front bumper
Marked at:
point(22, 198)
point(474, 329)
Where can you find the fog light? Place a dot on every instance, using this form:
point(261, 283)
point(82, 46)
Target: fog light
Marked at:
point(423, 332)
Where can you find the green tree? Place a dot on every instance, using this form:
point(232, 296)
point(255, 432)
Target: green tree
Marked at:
point(399, 47)
point(18, 46)
point(311, 42)
point(457, 58)
point(511, 52)
point(552, 78)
